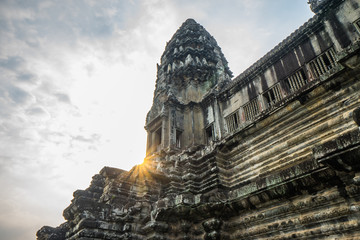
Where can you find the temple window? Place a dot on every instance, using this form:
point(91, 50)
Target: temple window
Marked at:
point(157, 138)
point(209, 132)
point(297, 80)
point(233, 121)
point(323, 63)
point(178, 138)
point(272, 96)
point(251, 109)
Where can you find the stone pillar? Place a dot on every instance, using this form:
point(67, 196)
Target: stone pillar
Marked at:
point(217, 120)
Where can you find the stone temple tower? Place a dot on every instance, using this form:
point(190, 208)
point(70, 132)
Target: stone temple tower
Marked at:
point(191, 67)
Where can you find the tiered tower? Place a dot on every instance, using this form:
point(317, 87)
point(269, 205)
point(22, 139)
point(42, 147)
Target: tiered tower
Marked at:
point(191, 66)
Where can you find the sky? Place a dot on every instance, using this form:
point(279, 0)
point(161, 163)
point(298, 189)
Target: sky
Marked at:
point(77, 79)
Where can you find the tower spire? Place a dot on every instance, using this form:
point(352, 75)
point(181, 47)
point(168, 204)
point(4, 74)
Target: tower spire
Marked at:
point(191, 57)
point(191, 65)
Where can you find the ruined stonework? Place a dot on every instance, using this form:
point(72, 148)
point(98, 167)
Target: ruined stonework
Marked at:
point(273, 153)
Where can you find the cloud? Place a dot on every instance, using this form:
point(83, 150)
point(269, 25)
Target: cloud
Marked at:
point(11, 232)
point(38, 112)
point(62, 97)
point(90, 68)
point(26, 77)
point(12, 62)
point(13, 68)
point(86, 142)
point(18, 96)
point(93, 138)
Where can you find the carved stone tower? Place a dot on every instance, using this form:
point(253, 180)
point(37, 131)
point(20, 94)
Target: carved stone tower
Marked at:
point(192, 65)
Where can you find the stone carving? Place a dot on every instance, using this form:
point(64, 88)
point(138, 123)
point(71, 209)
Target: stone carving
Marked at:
point(226, 159)
point(315, 5)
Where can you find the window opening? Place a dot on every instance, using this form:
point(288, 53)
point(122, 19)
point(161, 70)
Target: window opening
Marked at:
point(178, 138)
point(272, 96)
point(297, 80)
point(233, 121)
point(323, 63)
point(210, 136)
point(157, 139)
point(251, 109)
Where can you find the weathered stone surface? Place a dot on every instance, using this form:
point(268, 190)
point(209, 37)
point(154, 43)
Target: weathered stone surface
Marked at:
point(272, 154)
point(50, 233)
point(356, 116)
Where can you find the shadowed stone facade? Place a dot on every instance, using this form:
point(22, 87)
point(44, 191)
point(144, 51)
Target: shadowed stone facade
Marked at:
point(273, 153)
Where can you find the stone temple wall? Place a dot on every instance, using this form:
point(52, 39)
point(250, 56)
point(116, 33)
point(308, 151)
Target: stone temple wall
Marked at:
point(272, 154)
